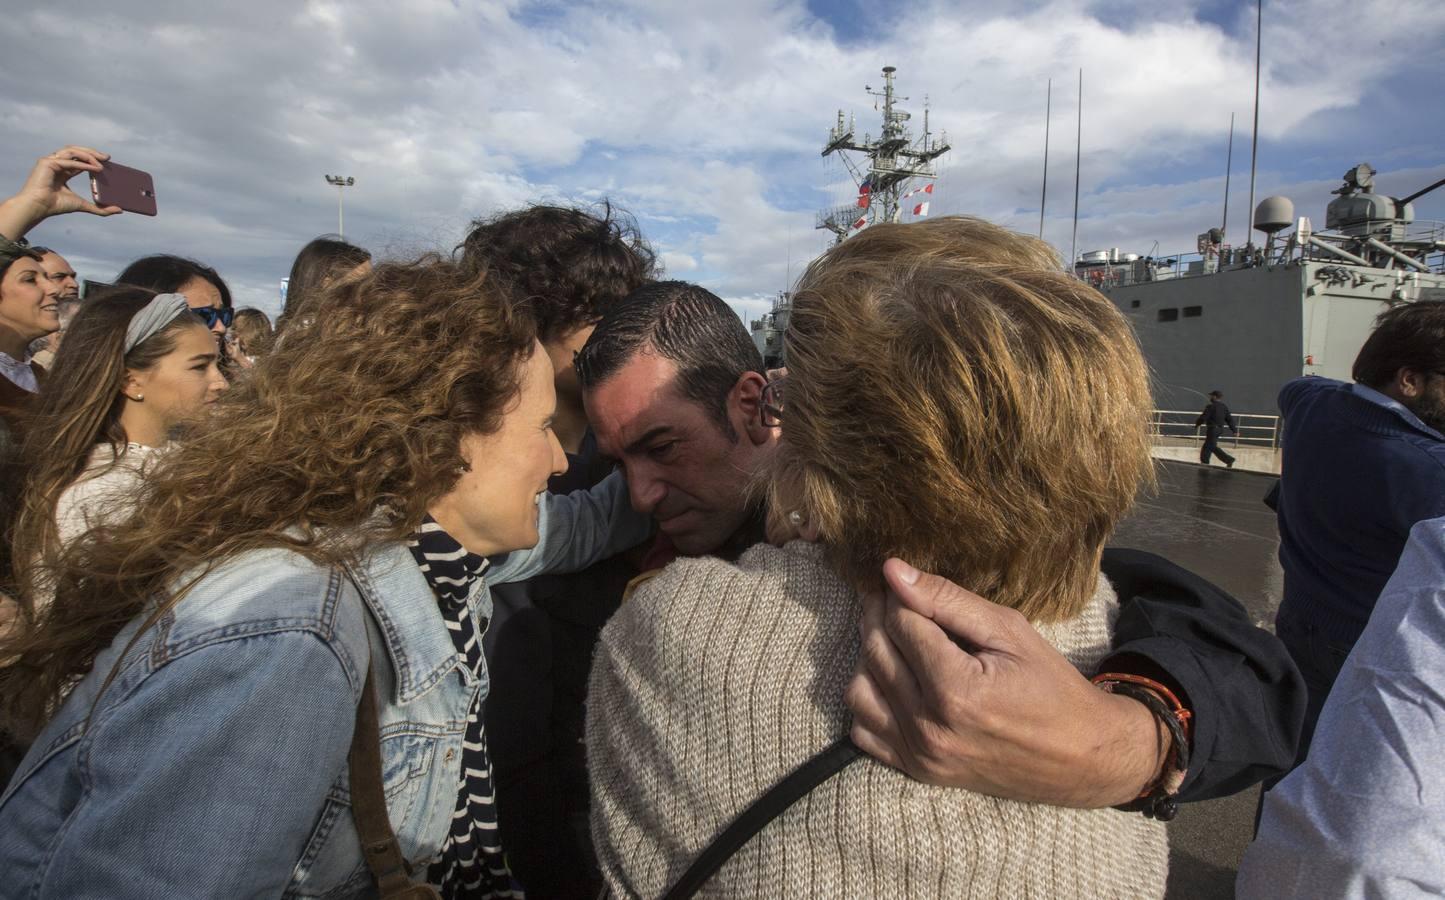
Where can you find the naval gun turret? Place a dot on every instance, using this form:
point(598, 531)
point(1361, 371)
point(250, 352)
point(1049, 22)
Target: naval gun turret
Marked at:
point(1363, 228)
point(1360, 212)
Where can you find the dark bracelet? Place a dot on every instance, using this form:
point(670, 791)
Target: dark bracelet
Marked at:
point(1160, 800)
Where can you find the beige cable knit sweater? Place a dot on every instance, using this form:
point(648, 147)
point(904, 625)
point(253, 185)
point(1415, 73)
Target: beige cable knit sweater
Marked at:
point(718, 679)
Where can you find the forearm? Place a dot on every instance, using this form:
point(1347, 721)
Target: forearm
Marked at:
point(1245, 695)
point(18, 216)
point(575, 530)
point(1127, 757)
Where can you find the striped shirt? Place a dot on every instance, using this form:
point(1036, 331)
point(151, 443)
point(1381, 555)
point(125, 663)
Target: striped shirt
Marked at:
point(471, 864)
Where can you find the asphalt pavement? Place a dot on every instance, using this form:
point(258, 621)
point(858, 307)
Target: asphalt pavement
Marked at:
point(1213, 522)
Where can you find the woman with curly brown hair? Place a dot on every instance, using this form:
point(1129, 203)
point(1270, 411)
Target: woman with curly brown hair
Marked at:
point(278, 651)
point(954, 399)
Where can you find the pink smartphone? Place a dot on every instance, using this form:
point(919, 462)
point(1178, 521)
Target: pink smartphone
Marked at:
point(130, 189)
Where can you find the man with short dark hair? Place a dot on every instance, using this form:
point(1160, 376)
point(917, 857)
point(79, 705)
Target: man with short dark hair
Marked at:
point(674, 386)
point(1215, 419)
point(675, 390)
point(62, 276)
point(1362, 463)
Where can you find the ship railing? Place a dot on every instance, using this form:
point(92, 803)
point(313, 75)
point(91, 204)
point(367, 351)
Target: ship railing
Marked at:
point(1177, 426)
point(1193, 264)
point(1425, 230)
point(1160, 268)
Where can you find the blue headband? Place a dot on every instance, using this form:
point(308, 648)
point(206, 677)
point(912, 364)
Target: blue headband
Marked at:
point(155, 316)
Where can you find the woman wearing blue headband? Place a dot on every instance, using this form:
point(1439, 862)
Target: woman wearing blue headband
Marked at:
point(135, 367)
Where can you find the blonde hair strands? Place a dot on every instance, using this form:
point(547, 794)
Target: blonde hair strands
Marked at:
point(957, 400)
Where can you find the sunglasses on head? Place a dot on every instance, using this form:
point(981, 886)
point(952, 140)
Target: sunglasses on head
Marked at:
point(210, 314)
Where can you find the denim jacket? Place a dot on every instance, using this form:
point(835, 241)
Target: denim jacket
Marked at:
point(214, 763)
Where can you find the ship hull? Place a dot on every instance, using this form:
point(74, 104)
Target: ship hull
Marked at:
point(1247, 331)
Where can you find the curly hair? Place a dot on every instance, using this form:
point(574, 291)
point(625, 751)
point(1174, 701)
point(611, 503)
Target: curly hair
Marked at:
point(333, 445)
point(569, 263)
point(954, 398)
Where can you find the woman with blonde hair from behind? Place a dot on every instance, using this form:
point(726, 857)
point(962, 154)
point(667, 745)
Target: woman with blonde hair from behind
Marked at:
point(956, 400)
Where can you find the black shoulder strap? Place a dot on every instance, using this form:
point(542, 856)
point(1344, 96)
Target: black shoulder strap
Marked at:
point(763, 810)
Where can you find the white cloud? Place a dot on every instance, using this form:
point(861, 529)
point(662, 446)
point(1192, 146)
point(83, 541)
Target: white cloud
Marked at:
point(677, 264)
point(705, 120)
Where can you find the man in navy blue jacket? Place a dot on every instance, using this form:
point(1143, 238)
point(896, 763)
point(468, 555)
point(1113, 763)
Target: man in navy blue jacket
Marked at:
point(1215, 419)
point(1362, 464)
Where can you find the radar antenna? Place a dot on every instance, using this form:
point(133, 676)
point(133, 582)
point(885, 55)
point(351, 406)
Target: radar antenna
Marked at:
point(891, 161)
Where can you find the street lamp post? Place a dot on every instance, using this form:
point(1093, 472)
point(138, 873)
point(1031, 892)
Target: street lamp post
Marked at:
point(342, 183)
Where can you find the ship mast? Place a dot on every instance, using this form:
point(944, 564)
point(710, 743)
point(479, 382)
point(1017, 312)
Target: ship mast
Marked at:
point(892, 160)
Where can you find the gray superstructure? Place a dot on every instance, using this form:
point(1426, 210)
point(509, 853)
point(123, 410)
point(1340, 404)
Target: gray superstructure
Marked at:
point(891, 162)
point(1244, 321)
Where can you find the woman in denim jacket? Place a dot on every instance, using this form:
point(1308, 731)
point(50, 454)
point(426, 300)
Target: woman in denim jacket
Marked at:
point(195, 683)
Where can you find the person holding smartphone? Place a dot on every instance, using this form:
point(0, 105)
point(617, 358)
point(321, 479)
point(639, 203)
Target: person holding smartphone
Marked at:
point(46, 191)
point(27, 304)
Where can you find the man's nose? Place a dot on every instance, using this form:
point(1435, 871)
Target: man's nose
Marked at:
point(645, 491)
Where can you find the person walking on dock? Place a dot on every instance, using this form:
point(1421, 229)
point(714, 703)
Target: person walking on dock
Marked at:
point(1215, 419)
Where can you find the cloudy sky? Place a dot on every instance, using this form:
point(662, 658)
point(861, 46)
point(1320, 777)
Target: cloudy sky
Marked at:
point(705, 119)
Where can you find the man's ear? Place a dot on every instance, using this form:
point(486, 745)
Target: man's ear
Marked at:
point(1409, 383)
point(745, 406)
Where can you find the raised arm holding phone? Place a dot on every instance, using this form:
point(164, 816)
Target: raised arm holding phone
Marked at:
point(47, 193)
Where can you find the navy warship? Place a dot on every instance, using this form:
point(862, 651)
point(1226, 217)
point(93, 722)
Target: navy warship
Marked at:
point(1243, 320)
point(1246, 320)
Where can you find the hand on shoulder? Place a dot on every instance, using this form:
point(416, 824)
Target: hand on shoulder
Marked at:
point(957, 691)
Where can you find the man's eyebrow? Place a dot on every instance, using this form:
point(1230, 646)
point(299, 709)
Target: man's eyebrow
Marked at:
point(647, 437)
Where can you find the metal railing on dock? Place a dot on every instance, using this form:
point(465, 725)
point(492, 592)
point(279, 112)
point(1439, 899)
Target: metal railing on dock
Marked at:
point(1174, 425)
